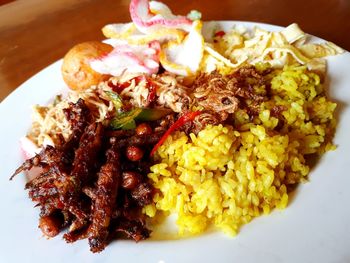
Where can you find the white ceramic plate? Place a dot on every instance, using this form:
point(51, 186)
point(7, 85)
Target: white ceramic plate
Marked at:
point(315, 227)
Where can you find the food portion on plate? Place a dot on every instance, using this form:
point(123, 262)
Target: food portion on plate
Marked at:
point(172, 116)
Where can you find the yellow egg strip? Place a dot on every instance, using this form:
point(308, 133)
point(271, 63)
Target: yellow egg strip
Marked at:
point(176, 67)
point(132, 36)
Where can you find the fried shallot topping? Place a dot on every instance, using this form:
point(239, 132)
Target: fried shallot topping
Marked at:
point(222, 95)
point(219, 93)
point(212, 93)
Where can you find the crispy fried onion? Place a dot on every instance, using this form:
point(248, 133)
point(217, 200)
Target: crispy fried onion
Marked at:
point(170, 93)
point(203, 119)
point(220, 93)
point(211, 93)
point(136, 92)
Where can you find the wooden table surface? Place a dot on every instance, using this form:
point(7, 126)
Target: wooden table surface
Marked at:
point(35, 33)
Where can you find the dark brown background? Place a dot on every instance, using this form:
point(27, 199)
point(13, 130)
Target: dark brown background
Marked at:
point(35, 33)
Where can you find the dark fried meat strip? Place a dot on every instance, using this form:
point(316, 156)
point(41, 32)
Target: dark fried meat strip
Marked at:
point(42, 178)
point(139, 140)
point(142, 194)
point(42, 192)
point(83, 166)
point(134, 229)
point(72, 237)
point(109, 179)
point(86, 154)
point(47, 157)
point(77, 224)
point(80, 233)
point(79, 116)
point(165, 123)
point(50, 205)
point(90, 192)
point(43, 188)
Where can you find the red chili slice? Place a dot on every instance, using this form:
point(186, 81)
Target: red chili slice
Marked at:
point(179, 123)
point(152, 87)
point(220, 34)
point(119, 87)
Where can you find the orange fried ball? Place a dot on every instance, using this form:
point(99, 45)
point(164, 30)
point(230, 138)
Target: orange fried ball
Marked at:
point(76, 70)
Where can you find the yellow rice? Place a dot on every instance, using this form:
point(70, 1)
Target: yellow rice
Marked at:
point(225, 176)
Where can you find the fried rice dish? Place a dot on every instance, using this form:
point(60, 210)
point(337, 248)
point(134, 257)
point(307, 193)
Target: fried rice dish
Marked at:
point(173, 116)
